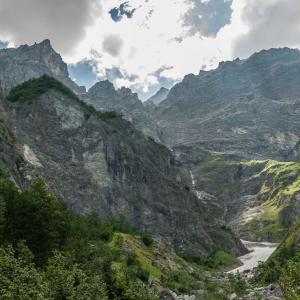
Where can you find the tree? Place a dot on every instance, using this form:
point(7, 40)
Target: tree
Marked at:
point(290, 281)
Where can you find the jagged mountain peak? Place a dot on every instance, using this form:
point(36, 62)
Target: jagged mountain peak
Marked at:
point(158, 97)
point(104, 85)
point(32, 61)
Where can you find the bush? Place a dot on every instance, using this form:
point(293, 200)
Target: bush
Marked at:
point(147, 239)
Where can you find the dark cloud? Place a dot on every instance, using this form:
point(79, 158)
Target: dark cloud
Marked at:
point(117, 13)
point(207, 18)
point(83, 73)
point(112, 44)
point(271, 24)
point(3, 45)
point(63, 22)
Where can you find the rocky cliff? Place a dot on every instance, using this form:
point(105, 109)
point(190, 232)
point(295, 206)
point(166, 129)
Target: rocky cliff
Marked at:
point(97, 162)
point(26, 62)
point(157, 98)
point(247, 108)
point(104, 96)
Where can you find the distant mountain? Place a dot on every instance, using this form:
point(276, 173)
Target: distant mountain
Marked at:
point(160, 96)
point(245, 108)
point(104, 96)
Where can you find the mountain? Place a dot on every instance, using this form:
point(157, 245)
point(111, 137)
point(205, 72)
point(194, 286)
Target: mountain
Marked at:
point(236, 128)
point(247, 109)
point(26, 62)
point(104, 96)
point(97, 162)
point(157, 98)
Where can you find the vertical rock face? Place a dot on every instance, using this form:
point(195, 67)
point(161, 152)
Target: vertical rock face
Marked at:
point(26, 62)
point(109, 168)
point(247, 108)
point(104, 96)
point(104, 167)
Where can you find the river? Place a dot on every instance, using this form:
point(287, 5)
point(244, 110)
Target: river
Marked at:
point(259, 252)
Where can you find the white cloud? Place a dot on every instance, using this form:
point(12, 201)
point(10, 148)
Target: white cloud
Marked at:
point(271, 23)
point(155, 45)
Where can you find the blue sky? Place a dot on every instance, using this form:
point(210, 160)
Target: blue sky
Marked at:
point(146, 44)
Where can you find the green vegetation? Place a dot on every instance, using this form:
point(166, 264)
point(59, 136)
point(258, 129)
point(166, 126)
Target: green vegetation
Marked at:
point(49, 253)
point(32, 89)
point(280, 182)
point(222, 260)
point(267, 224)
point(284, 265)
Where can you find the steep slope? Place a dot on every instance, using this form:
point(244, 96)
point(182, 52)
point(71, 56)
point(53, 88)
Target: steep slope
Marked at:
point(98, 163)
point(159, 97)
point(260, 198)
point(284, 264)
point(245, 108)
point(26, 62)
point(104, 96)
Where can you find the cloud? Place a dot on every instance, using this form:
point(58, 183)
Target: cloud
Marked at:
point(64, 22)
point(83, 73)
point(270, 23)
point(160, 44)
point(207, 17)
point(117, 13)
point(112, 44)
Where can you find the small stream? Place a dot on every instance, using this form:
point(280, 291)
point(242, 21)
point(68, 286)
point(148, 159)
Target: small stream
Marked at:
point(260, 252)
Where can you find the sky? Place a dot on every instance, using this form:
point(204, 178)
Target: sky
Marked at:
point(146, 44)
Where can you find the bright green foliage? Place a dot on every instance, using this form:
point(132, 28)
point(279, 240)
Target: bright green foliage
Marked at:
point(280, 265)
point(19, 279)
point(290, 281)
point(280, 182)
point(221, 260)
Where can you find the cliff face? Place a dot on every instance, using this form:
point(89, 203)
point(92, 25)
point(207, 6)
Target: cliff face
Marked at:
point(246, 108)
point(99, 163)
point(109, 168)
point(104, 96)
point(20, 64)
point(159, 97)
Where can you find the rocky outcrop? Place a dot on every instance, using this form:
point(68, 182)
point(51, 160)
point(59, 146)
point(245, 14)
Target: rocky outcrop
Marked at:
point(26, 62)
point(157, 98)
point(104, 96)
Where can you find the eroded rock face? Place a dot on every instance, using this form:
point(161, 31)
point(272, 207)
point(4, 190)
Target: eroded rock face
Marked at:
point(247, 108)
point(159, 97)
point(104, 96)
point(111, 169)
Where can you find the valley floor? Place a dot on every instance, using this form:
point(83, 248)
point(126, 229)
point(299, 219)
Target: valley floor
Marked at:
point(259, 252)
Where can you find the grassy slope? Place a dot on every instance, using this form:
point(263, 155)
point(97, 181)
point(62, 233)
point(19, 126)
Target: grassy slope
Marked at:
point(288, 251)
point(280, 182)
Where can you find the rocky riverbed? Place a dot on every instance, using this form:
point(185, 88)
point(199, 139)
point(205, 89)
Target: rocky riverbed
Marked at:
point(259, 252)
